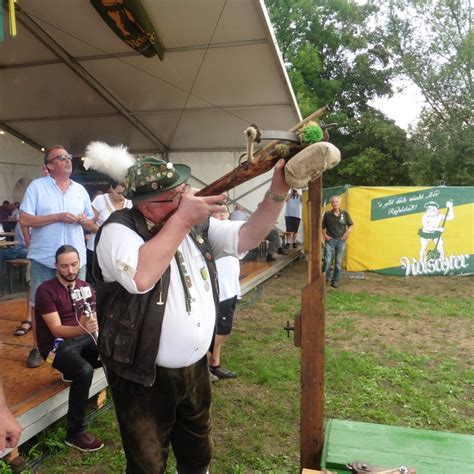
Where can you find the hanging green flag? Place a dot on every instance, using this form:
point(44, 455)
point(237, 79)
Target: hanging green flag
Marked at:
point(130, 22)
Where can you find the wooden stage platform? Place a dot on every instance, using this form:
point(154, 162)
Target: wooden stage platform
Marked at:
point(38, 397)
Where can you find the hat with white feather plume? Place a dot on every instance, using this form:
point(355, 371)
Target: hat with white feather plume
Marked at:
point(143, 178)
point(113, 161)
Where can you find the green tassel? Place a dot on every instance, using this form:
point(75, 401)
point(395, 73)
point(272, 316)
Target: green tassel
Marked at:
point(312, 134)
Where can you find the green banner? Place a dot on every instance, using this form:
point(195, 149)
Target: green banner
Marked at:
point(336, 191)
point(1, 21)
point(414, 202)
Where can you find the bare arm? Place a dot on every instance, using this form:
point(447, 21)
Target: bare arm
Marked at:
point(29, 220)
point(25, 230)
point(449, 210)
point(155, 255)
point(88, 224)
point(347, 232)
point(53, 321)
point(263, 219)
point(10, 429)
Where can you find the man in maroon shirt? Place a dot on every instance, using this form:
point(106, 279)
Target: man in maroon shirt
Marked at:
point(61, 306)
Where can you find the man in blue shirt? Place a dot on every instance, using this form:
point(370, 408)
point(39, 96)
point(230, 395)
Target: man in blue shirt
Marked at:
point(57, 210)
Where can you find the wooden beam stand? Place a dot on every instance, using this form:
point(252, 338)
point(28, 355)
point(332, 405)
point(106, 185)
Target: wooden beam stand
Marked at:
point(312, 335)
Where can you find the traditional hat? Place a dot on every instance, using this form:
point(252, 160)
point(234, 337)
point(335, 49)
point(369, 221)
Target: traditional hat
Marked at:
point(431, 204)
point(143, 178)
point(151, 176)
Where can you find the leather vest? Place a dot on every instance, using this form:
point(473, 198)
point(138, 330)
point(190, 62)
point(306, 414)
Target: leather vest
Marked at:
point(130, 324)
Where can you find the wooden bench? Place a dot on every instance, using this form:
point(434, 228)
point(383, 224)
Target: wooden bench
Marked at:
point(19, 264)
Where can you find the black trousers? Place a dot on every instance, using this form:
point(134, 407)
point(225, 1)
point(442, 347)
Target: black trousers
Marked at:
point(175, 409)
point(76, 359)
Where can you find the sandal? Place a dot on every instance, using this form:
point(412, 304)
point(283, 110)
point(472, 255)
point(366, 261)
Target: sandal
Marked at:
point(21, 330)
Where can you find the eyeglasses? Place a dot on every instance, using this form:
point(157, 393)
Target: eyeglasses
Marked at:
point(63, 157)
point(176, 196)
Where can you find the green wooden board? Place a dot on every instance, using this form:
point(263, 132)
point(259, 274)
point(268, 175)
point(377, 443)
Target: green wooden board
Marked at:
point(429, 452)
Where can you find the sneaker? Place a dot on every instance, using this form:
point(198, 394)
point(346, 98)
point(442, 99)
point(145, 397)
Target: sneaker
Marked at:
point(335, 284)
point(270, 257)
point(34, 358)
point(222, 373)
point(213, 377)
point(84, 442)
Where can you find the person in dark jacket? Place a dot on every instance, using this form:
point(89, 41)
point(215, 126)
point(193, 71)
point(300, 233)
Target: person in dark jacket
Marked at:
point(156, 302)
point(337, 225)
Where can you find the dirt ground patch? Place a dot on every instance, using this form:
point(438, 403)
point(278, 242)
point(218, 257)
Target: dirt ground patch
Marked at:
point(408, 327)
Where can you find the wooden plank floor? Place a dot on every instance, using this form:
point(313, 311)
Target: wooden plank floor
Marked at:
point(24, 387)
point(38, 397)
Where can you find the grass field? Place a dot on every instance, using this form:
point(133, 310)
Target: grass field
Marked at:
point(399, 351)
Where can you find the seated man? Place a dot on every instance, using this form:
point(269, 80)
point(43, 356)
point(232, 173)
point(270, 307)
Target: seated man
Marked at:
point(62, 311)
point(274, 245)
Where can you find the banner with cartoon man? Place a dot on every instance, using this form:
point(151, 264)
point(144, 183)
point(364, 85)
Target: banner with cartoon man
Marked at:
point(410, 231)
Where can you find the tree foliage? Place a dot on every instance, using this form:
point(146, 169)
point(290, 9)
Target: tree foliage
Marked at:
point(432, 44)
point(346, 54)
point(332, 52)
point(335, 54)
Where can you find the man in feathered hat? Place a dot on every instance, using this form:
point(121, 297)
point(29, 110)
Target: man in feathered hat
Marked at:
point(156, 302)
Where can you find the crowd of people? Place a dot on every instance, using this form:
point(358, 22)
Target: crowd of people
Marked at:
point(163, 272)
point(163, 249)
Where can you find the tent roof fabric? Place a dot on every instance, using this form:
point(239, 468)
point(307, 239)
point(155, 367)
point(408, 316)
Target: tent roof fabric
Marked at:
point(66, 78)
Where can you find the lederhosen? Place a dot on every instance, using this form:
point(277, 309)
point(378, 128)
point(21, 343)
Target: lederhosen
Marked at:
point(152, 402)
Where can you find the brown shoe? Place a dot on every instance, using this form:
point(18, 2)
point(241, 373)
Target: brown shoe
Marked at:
point(84, 442)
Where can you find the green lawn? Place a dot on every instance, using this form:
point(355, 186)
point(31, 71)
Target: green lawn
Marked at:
point(398, 351)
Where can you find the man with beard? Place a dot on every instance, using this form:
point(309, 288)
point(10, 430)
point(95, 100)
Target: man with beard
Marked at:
point(156, 300)
point(57, 210)
point(60, 314)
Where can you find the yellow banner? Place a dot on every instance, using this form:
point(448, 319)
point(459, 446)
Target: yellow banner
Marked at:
point(406, 231)
point(411, 230)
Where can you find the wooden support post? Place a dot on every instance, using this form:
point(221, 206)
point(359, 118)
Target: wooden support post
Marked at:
point(312, 341)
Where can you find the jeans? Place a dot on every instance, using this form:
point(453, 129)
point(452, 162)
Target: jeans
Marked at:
point(76, 358)
point(41, 273)
point(334, 246)
point(174, 410)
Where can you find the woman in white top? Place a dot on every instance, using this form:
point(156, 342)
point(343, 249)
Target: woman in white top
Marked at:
point(228, 271)
point(103, 205)
point(292, 216)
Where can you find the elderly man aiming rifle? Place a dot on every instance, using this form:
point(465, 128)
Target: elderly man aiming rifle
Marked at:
point(156, 302)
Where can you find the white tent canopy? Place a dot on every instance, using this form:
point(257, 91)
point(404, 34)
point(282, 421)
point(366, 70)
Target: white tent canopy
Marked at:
point(66, 78)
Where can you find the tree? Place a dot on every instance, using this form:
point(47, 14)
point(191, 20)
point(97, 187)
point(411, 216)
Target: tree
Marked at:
point(335, 54)
point(374, 153)
point(432, 43)
point(332, 53)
